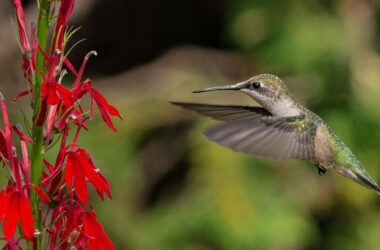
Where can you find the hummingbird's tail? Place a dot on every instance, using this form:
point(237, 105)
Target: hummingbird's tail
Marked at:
point(369, 182)
point(360, 176)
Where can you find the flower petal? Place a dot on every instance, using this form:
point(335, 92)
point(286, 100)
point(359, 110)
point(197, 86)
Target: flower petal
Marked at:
point(65, 11)
point(49, 91)
point(26, 218)
point(2, 202)
point(101, 100)
point(65, 95)
point(21, 134)
point(96, 179)
point(105, 108)
point(97, 237)
point(22, 33)
point(80, 184)
point(44, 197)
point(11, 214)
point(69, 174)
point(70, 66)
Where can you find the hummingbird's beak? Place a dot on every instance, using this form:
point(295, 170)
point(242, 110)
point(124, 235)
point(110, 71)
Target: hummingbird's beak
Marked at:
point(236, 86)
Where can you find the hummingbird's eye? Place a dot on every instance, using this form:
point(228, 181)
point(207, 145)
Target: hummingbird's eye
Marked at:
point(255, 85)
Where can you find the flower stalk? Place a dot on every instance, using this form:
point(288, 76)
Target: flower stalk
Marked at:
point(37, 129)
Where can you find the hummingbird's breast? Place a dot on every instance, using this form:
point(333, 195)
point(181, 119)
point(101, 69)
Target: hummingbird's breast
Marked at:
point(324, 152)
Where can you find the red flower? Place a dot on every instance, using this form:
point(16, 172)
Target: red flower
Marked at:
point(7, 140)
point(94, 231)
point(67, 225)
point(52, 91)
point(28, 47)
point(106, 109)
point(55, 93)
point(44, 197)
point(74, 226)
point(16, 207)
point(64, 12)
point(79, 166)
point(25, 45)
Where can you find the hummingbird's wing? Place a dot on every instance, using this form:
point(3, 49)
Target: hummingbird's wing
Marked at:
point(254, 130)
point(224, 112)
point(268, 136)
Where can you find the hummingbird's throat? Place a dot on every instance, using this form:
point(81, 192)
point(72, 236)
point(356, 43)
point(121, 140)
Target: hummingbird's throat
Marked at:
point(284, 108)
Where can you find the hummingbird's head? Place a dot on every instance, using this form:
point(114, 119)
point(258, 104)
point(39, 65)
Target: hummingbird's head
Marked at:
point(266, 89)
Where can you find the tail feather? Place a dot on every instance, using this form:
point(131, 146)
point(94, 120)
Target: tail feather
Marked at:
point(360, 176)
point(369, 183)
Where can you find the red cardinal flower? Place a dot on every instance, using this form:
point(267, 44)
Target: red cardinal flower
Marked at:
point(24, 42)
point(94, 231)
point(106, 109)
point(52, 91)
point(66, 224)
point(55, 93)
point(79, 167)
point(64, 13)
point(28, 47)
point(16, 208)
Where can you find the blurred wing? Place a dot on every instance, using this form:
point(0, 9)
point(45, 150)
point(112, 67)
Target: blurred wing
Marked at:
point(268, 136)
point(224, 112)
point(254, 130)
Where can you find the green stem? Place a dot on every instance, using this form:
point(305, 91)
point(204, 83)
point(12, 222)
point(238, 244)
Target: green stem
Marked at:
point(37, 146)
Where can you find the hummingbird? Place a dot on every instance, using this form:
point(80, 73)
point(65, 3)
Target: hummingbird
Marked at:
point(280, 129)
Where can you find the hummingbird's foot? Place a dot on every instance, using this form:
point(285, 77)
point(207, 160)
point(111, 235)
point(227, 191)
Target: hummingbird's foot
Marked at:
point(321, 169)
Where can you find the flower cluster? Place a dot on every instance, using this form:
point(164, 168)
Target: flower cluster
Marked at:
point(48, 200)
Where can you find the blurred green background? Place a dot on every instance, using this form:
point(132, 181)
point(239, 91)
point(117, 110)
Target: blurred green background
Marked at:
point(174, 189)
